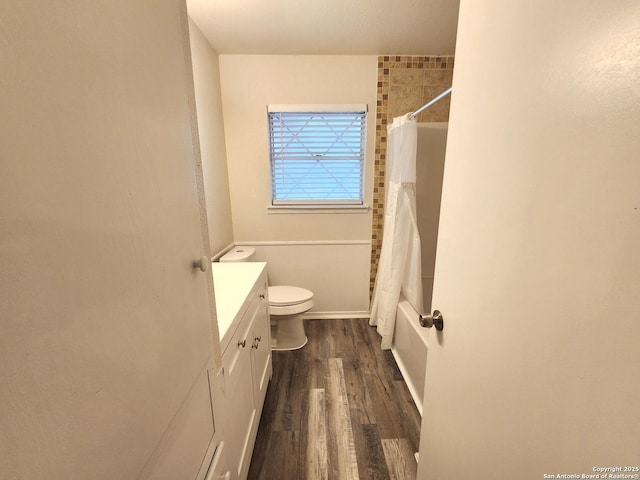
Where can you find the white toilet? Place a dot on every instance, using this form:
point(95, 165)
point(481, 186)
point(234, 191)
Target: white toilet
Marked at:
point(286, 306)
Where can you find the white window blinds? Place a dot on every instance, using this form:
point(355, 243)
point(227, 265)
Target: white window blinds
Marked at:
point(317, 157)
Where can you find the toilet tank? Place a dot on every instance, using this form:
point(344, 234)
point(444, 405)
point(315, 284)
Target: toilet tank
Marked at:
point(239, 254)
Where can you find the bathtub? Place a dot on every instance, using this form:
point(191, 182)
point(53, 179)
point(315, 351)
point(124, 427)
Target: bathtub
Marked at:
point(410, 339)
point(410, 350)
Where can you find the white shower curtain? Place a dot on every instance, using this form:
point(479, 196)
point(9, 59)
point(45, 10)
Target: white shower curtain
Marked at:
point(399, 267)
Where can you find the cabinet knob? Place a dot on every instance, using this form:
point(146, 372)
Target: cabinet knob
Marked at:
point(255, 345)
point(262, 296)
point(242, 343)
point(258, 338)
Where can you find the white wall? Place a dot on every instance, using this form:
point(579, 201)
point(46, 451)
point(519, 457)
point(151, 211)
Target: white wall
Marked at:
point(331, 266)
point(206, 80)
point(332, 270)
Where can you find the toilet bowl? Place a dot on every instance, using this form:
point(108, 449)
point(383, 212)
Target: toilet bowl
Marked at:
point(286, 306)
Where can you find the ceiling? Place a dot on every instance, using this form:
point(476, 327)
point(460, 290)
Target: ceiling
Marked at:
point(328, 27)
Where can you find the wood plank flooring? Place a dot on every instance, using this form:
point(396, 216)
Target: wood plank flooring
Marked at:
point(337, 409)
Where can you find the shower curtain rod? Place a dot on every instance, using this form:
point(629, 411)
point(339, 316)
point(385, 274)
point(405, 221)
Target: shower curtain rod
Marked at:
point(431, 102)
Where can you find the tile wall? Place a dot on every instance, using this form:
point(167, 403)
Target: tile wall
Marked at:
point(405, 83)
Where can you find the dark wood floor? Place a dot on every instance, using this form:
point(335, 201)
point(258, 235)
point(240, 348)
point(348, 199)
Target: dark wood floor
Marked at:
point(337, 409)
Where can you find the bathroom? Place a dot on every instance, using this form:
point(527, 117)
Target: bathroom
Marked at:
point(297, 243)
point(232, 93)
point(101, 228)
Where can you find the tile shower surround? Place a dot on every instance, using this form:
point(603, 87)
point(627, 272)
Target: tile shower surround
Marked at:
point(405, 83)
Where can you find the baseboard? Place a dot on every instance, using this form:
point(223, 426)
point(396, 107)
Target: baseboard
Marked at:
point(336, 315)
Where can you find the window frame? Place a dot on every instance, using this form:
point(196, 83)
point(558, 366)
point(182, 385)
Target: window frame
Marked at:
point(319, 203)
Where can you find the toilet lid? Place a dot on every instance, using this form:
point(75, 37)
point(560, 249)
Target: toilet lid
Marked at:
point(285, 295)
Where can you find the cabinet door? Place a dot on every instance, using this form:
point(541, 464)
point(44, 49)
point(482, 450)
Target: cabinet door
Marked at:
point(241, 410)
point(261, 353)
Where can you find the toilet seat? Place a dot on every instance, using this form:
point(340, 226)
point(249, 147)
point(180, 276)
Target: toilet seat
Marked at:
point(287, 300)
point(281, 295)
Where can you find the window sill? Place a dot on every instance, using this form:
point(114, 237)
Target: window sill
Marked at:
point(309, 209)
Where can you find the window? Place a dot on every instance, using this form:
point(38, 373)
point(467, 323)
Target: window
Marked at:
point(317, 154)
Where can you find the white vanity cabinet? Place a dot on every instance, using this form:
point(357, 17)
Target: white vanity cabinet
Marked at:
point(243, 319)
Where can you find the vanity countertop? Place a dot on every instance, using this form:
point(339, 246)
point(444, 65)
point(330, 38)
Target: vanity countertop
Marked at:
point(232, 284)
